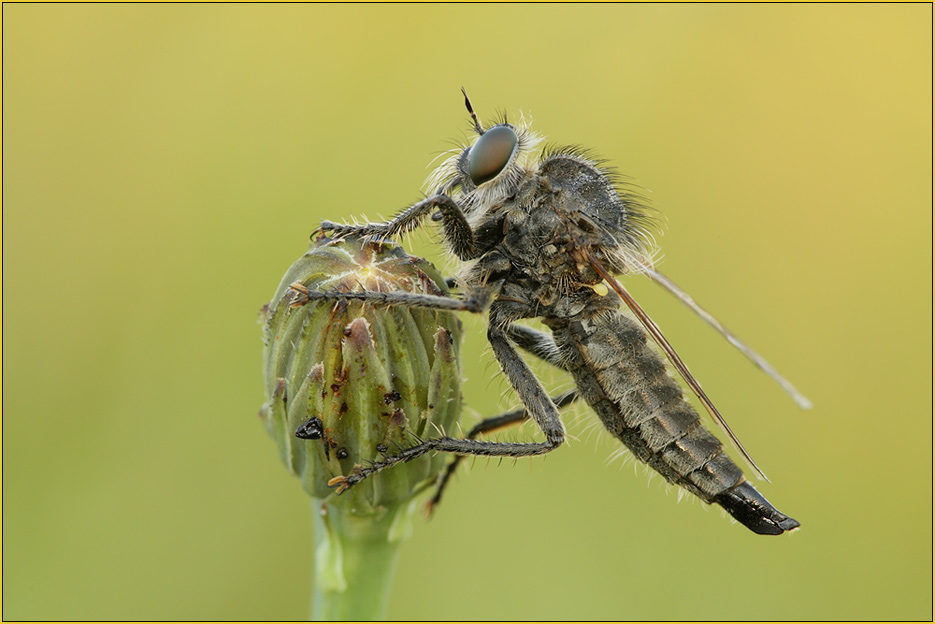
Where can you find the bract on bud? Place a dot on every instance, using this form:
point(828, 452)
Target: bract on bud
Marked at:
point(359, 380)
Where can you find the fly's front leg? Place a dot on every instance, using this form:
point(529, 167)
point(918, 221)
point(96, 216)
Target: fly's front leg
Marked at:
point(454, 225)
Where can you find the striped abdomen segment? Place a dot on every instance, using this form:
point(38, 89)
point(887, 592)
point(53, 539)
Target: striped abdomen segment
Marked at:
point(628, 385)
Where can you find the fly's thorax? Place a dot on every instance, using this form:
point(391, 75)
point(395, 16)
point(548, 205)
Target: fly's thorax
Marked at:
point(577, 303)
point(599, 212)
point(546, 236)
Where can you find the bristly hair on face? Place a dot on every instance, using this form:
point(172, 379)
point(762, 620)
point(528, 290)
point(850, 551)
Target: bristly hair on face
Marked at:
point(447, 176)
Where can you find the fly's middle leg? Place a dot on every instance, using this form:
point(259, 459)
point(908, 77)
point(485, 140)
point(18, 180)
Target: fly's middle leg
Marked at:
point(473, 302)
point(457, 231)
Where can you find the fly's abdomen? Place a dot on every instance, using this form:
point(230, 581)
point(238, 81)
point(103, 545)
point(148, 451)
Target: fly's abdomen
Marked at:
point(628, 385)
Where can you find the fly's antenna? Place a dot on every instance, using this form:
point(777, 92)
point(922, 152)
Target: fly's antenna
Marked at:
point(467, 103)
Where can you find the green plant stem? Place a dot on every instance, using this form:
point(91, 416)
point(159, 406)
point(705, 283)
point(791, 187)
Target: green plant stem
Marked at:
point(355, 558)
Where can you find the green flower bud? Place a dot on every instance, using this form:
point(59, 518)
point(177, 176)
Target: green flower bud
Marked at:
point(361, 379)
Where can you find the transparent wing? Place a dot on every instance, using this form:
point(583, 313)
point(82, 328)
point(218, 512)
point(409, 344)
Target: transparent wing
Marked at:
point(677, 362)
point(800, 399)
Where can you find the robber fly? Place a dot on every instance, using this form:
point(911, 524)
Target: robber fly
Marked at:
point(544, 233)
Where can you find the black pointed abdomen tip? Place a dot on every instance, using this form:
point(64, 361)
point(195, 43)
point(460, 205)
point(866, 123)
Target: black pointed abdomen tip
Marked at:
point(750, 509)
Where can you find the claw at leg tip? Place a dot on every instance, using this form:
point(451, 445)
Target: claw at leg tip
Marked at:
point(339, 482)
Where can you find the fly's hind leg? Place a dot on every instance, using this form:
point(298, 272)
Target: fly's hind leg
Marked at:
point(485, 426)
point(534, 397)
point(542, 346)
point(445, 445)
point(457, 232)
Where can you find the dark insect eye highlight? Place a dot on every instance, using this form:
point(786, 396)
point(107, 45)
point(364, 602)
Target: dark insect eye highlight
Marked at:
point(491, 154)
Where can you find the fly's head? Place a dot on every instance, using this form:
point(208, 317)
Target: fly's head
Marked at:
point(488, 171)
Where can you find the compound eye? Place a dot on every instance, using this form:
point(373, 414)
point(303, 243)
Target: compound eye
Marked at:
point(491, 153)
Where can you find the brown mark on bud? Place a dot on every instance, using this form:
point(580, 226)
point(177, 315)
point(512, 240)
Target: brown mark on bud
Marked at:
point(398, 418)
point(443, 345)
point(359, 339)
point(339, 381)
point(280, 391)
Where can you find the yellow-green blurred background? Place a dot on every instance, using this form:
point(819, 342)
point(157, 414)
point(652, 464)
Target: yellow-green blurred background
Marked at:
point(164, 164)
